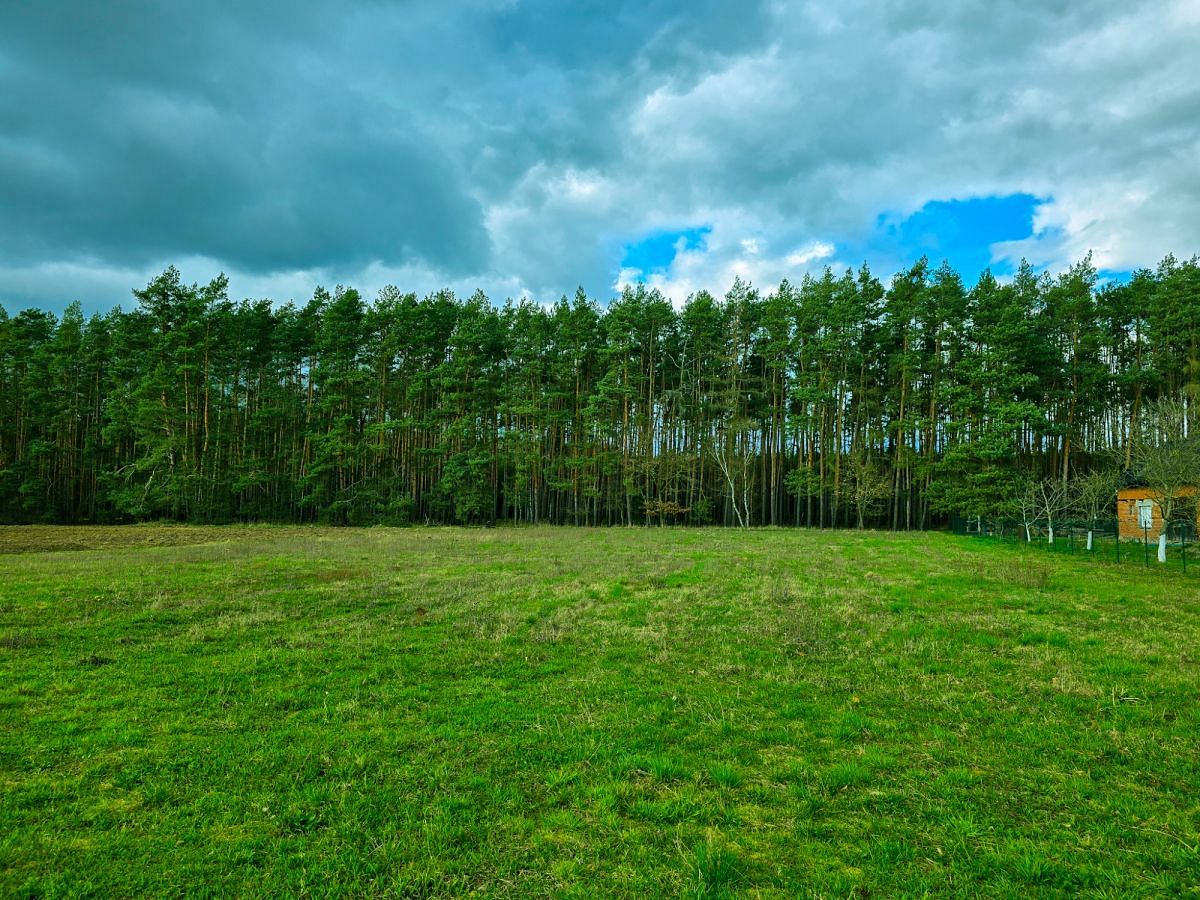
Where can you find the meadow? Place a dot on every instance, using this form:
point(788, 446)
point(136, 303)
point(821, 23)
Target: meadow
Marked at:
point(590, 712)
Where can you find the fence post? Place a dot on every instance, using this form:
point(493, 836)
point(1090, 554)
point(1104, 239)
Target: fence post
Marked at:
point(1146, 546)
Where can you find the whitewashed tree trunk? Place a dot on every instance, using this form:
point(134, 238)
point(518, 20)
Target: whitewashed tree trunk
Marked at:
point(1089, 546)
point(1162, 547)
point(1050, 533)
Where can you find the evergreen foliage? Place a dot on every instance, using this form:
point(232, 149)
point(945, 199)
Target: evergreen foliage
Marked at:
point(832, 402)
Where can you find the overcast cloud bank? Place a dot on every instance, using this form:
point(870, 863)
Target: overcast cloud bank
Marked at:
point(524, 148)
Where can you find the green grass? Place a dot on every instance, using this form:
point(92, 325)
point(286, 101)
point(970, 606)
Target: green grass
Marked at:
point(632, 712)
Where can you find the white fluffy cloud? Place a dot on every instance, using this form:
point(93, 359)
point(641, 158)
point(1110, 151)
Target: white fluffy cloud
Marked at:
point(721, 257)
point(848, 114)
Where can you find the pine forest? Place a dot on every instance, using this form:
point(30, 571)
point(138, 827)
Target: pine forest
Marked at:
point(836, 401)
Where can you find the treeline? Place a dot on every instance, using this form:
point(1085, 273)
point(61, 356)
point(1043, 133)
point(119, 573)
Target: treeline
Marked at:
point(836, 401)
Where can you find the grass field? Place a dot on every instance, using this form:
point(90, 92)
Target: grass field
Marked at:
point(632, 712)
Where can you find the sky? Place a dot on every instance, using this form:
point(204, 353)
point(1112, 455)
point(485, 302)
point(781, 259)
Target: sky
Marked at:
point(527, 148)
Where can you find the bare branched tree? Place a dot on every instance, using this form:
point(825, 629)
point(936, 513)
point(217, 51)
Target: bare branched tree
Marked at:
point(1053, 498)
point(1026, 504)
point(736, 465)
point(1167, 457)
point(1094, 494)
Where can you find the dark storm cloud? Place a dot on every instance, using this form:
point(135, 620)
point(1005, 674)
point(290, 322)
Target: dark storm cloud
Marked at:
point(130, 137)
point(301, 135)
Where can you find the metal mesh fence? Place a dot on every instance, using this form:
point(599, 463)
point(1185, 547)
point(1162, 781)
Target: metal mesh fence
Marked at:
point(1097, 539)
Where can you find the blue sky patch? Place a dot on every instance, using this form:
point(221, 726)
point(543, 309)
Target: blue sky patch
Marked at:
point(961, 231)
point(656, 251)
point(1116, 276)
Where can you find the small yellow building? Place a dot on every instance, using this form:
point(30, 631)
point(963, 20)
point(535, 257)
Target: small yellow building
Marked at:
point(1137, 513)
